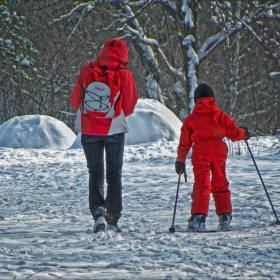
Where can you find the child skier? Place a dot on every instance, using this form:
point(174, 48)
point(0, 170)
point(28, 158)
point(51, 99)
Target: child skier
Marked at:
point(203, 131)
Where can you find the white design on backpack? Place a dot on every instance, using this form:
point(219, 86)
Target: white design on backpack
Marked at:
point(97, 99)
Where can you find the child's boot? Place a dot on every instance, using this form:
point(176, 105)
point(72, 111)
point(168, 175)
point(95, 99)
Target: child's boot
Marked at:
point(197, 222)
point(224, 221)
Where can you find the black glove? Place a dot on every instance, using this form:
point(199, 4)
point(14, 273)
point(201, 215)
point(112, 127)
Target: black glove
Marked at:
point(180, 168)
point(247, 132)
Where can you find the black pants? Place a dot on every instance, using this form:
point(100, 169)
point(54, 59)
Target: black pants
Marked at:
point(94, 147)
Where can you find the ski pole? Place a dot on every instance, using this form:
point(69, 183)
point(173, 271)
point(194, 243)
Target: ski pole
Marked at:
point(277, 220)
point(172, 228)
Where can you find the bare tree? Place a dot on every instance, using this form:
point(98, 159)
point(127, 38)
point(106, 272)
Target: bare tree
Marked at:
point(182, 18)
point(246, 62)
point(172, 44)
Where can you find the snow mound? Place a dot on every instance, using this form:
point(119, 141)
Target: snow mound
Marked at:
point(77, 143)
point(36, 132)
point(150, 122)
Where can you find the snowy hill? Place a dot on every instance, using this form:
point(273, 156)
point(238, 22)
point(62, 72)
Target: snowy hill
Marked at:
point(36, 132)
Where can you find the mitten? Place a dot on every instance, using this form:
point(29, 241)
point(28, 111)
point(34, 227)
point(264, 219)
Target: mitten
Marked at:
point(247, 132)
point(180, 167)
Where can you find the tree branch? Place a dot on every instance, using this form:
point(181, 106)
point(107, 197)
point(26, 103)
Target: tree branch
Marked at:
point(77, 8)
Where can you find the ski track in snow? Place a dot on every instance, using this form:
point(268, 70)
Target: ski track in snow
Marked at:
point(46, 227)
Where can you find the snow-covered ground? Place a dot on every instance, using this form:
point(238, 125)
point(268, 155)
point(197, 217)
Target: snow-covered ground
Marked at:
point(46, 228)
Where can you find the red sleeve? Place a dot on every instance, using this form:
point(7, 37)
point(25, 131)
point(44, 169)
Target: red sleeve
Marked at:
point(129, 92)
point(185, 143)
point(233, 132)
point(78, 91)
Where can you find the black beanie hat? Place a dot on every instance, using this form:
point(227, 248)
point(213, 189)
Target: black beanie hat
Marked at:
point(203, 90)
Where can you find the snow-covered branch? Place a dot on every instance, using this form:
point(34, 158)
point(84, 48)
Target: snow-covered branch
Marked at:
point(259, 112)
point(249, 28)
point(89, 6)
point(252, 16)
point(139, 34)
point(211, 43)
point(188, 14)
point(273, 74)
point(153, 43)
point(76, 27)
point(68, 114)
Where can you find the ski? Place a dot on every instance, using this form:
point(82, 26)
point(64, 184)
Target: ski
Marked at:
point(179, 229)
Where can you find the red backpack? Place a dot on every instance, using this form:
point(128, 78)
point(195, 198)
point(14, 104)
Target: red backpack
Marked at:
point(102, 95)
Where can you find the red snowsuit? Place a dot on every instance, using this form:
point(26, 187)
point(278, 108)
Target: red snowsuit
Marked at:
point(203, 131)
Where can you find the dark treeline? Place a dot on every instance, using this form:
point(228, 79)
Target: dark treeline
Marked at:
point(173, 45)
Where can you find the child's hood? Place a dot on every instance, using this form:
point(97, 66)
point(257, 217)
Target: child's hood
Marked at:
point(205, 105)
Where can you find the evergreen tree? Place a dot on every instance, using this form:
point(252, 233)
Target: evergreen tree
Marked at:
point(16, 50)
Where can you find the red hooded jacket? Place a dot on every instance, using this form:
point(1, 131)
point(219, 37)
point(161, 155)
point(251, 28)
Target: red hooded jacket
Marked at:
point(113, 54)
point(205, 122)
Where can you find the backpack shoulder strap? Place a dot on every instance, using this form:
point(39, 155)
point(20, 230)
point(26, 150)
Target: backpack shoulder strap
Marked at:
point(122, 67)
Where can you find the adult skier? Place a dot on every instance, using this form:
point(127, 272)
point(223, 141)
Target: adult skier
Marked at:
point(106, 134)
